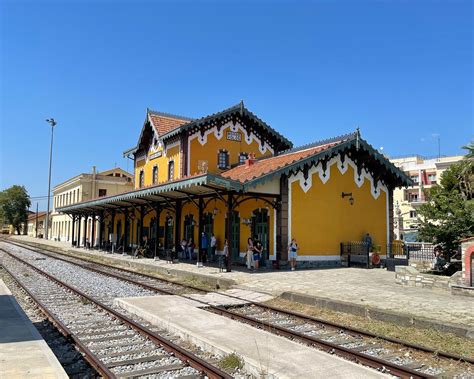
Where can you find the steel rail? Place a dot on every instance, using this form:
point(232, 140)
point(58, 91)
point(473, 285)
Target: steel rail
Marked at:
point(332, 348)
point(352, 330)
point(90, 357)
point(198, 363)
point(358, 357)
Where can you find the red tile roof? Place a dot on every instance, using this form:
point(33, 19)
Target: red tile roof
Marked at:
point(243, 173)
point(164, 123)
point(33, 215)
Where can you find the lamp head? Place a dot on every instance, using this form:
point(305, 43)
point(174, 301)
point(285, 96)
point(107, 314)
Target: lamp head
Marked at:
point(51, 121)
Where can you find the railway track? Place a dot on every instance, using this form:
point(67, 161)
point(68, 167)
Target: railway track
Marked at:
point(385, 354)
point(115, 345)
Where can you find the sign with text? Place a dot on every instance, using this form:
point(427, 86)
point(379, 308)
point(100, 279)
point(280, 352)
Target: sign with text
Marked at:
point(234, 136)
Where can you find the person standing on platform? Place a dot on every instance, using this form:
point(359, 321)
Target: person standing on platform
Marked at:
point(226, 253)
point(249, 253)
point(204, 247)
point(292, 253)
point(213, 248)
point(190, 248)
point(184, 248)
point(257, 254)
point(368, 242)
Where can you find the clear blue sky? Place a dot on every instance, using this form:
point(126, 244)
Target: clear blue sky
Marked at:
point(400, 70)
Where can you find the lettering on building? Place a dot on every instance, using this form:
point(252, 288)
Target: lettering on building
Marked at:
point(156, 155)
point(234, 136)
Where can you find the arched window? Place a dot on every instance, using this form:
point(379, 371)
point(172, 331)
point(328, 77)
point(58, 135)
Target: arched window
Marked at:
point(171, 170)
point(243, 157)
point(223, 159)
point(141, 182)
point(155, 174)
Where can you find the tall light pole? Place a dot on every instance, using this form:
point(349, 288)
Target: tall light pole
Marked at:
point(53, 124)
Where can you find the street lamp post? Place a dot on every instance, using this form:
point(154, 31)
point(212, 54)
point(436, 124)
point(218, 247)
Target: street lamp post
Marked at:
point(53, 124)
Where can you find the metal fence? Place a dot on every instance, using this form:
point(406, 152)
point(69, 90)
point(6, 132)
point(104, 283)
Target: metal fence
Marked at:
point(416, 251)
point(359, 252)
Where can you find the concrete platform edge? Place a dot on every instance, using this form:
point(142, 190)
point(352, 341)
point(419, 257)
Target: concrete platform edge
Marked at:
point(36, 344)
point(218, 283)
point(379, 314)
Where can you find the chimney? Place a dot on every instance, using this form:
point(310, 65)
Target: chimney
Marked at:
point(93, 170)
point(250, 160)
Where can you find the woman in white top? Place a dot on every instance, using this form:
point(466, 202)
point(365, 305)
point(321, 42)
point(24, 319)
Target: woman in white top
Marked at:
point(292, 253)
point(249, 253)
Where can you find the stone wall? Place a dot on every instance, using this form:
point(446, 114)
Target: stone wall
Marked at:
point(411, 277)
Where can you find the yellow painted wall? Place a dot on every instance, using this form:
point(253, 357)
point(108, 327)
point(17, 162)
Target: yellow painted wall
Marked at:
point(210, 149)
point(321, 218)
point(245, 210)
point(173, 154)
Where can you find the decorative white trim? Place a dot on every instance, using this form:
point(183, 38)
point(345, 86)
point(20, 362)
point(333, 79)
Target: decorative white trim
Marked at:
point(318, 257)
point(324, 176)
point(248, 137)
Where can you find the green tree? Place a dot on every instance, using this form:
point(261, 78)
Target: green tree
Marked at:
point(449, 215)
point(14, 204)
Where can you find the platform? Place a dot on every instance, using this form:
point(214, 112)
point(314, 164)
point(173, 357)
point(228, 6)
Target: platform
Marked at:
point(23, 352)
point(262, 351)
point(351, 290)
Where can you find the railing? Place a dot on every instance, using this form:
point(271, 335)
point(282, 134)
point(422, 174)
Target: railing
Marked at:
point(358, 252)
point(355, 252)
point(416, 251)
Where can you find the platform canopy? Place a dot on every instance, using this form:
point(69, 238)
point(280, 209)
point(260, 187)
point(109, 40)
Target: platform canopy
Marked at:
point(202, 185)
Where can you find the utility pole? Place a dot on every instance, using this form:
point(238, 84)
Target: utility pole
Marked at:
point(36, 227)
point(53, 124)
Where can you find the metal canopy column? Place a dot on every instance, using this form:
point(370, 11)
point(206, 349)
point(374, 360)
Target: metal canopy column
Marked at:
point(157, 228)
point(229, 230)
point(111, 230)
point(84, 238)
point(78, 242)
point(92, 241)
point(140, 230)
point(177, 228)
point(126, 231)
point(200, 218)
point(73, 231)
point(101, 227)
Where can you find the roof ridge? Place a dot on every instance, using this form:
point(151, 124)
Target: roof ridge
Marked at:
point(318, 143)
point(170, 115)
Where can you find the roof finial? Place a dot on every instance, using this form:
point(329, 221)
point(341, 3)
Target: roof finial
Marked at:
point(357, 133)
point(241, 107)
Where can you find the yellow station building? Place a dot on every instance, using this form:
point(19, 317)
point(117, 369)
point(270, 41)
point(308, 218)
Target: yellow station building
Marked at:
point(231, 174)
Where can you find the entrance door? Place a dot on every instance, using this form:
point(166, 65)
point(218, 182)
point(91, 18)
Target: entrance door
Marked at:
point(188, 227)
point(260, 228)
point(169, 233)
point(234, 235)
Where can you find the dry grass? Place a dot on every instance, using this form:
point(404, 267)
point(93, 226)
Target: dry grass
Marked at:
point(231, 362)
point(433, 339)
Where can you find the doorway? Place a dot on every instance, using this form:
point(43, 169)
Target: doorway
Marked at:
point(260, 229)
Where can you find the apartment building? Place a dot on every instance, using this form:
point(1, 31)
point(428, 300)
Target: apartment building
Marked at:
point(84, 187)
point(424, 172)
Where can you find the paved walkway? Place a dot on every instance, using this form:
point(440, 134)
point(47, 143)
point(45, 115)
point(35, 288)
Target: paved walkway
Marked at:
point(23, 352)
point(373, 288)
point(262, 352)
